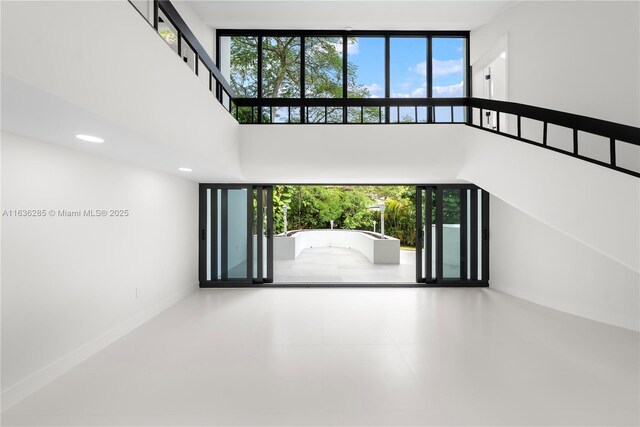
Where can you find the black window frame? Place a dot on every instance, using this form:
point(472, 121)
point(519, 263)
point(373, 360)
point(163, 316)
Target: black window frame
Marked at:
point(387, 35)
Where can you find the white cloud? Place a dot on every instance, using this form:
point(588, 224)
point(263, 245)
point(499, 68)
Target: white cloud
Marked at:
point(420, 68)
point(443, 68)
point(452, 91)
point(375, 90)
point(352, 48)
point(440, 68)
point(421, 92)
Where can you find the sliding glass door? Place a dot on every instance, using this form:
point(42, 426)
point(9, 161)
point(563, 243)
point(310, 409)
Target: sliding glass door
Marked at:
point(235, 233)
point(452, 229)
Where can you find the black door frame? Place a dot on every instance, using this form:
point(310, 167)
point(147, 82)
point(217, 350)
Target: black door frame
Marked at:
point(266, 280)
point(469, 210)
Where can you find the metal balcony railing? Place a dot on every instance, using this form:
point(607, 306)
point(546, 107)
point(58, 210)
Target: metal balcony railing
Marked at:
point(609, 144)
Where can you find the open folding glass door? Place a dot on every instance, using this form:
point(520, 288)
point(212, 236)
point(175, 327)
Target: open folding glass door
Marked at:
point(262, 225)
point(452, 244)
point(232, 218)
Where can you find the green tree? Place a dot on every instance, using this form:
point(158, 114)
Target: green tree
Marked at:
point(281, 75)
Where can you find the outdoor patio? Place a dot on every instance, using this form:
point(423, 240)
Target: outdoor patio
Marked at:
point(341, 265)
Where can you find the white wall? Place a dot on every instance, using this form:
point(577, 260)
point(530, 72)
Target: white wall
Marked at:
point(565, 233)
point(570, 195)
point(203, 32)
point(68, 283)
point(351, 153)
point(105, 59)
point(594, 210)
point(581, 57)
point(533, 261)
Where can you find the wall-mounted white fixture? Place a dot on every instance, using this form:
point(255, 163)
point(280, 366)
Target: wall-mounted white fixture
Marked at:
point(90, 138)
point(185, 169)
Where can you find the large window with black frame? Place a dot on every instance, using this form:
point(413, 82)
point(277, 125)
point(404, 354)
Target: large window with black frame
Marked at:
point(358, 77)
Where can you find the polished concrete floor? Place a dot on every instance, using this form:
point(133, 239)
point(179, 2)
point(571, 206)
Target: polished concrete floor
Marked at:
point(342, 265)
point(351, 357)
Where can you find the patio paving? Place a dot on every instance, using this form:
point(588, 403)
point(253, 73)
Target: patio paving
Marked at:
point(341, 265)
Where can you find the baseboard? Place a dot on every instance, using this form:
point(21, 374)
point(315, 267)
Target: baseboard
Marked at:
point(39, 379)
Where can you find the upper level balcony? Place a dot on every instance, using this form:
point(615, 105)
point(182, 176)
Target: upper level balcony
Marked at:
point(379, 77)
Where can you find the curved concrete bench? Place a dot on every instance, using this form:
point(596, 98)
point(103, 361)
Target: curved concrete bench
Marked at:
point(378, 250)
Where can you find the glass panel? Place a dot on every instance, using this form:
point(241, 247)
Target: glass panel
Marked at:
point(237, 233)
point(255, 219)
point(532, 130)
point(145, 7)
point(315, 115)
point(226, 101)
point(219, 235)
point(294, 115)
point(422, 114)
point(628, 156)
point(281, 67)
point(594, 146)
point(188, 54)
point(334, 115)
point(265, 232)
point(239, 64)
point(442, 114)
point(373, 115)
point(204, 73)
point(365, 70)
point(266, 114)
point(479, 234)
point(448, 67)
point(355, 114)
point(560, 137)
point(407, 115)
point(394, 114)
point(451, 234)
point(323, 67)
point(408, 67)
point(167, 31)
point(434, 235)
point(468, 242)
point(280, 114)
point(245, 115)
point(208, 228)
point(423, 222)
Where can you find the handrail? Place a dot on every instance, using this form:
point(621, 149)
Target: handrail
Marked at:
point(351, 102)
point(186, 32)
point(199, 51)
point(591, 125)
point(614, 132)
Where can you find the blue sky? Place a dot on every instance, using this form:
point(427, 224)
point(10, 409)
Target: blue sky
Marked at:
point(408, 66)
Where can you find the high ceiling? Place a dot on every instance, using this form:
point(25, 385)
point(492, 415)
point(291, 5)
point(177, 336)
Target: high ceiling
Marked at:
point(357, 14)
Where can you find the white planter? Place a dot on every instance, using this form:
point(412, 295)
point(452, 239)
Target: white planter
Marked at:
point(377, 250)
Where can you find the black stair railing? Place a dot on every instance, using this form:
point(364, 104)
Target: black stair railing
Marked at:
point(187, 43)
point(521, 122)
point(617, 137)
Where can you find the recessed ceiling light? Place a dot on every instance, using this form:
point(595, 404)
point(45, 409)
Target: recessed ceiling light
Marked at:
point(185, 169)
point(348, 28)
point(89, 138)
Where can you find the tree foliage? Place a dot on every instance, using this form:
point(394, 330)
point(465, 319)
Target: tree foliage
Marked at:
point(281, 74)
point(355, 208)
